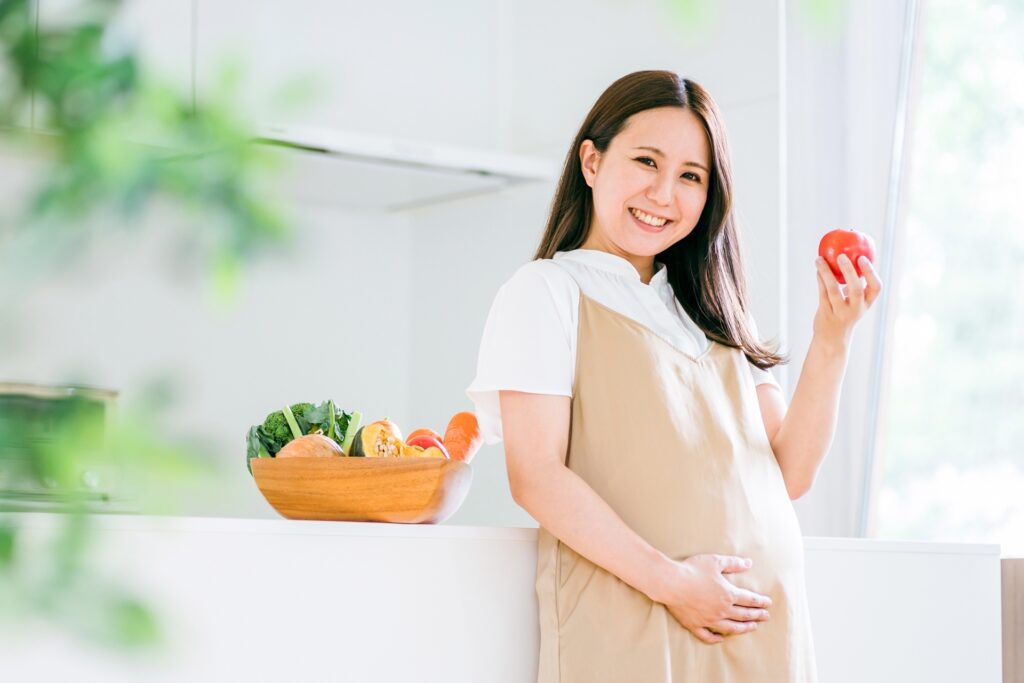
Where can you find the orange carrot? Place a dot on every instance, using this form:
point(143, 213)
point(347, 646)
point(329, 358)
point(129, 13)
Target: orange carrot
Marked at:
point(462, 437)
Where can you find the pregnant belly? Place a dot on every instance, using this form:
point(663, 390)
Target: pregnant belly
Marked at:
point(748, 515)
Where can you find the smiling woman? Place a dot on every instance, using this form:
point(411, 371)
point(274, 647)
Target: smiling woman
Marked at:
point(644, 150)
point(642, 428)
point(636, 193)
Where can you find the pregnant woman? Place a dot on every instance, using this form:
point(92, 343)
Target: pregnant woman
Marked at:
point(642, 428)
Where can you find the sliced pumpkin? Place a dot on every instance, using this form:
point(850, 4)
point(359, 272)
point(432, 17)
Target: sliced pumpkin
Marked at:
point(376, 441)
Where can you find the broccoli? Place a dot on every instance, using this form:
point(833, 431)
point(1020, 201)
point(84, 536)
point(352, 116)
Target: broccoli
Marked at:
point(265, 440)
point(276, 430)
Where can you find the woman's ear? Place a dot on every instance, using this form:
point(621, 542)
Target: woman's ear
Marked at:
point(589, 159)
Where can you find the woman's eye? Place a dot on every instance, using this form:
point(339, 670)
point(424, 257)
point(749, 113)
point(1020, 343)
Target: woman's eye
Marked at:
point(692, 176)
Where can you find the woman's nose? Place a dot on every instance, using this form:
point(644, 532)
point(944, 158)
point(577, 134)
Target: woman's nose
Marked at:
point(660, 191)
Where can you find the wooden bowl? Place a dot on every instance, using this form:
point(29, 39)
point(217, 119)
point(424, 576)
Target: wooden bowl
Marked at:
point(405, 490)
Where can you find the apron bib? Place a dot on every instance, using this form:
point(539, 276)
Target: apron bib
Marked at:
point(677, 447)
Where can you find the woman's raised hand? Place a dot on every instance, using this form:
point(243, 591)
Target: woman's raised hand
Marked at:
point(838, 312)
point(707, 604)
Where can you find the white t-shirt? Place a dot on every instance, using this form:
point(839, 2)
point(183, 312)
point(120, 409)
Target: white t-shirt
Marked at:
point(529, 339)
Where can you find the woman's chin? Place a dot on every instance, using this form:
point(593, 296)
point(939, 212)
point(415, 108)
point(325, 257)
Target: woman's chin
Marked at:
point(646, 244)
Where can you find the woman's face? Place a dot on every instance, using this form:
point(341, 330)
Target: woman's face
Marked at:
point(657, 164)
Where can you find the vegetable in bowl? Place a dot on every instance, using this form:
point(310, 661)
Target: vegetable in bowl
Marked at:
point(299, 419)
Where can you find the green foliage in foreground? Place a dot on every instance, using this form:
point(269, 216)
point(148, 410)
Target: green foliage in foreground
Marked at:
point(123, 139)
point(116, 139)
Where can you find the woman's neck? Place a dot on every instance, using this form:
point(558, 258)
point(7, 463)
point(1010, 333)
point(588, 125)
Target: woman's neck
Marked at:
point(644, 265)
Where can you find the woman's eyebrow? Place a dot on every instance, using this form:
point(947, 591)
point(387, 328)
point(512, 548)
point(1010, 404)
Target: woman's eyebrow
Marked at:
point(685, 163)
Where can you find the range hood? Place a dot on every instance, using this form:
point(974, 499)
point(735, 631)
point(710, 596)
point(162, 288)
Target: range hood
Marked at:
point(364, 171)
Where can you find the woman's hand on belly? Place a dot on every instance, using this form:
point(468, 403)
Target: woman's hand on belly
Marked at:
point(709, 606)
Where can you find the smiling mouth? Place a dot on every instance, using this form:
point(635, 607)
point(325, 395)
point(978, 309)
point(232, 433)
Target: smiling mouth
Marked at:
point(655, 222)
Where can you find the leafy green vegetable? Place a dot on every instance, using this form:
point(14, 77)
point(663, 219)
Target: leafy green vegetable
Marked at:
point(349, 433)
point(290, 419)
point(281, 426)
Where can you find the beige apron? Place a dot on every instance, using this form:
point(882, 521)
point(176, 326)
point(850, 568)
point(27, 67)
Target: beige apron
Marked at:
point(677, 447)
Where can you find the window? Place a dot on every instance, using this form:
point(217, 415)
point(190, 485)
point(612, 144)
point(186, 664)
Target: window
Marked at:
point(951, 452)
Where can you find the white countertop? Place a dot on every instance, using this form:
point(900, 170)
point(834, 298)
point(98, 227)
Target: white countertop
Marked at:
point(238, 525)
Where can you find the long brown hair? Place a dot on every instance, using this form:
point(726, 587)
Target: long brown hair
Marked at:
point(705, 268)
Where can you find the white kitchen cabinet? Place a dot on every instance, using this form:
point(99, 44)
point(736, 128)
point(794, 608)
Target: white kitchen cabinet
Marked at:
point(904, 611)
point(366, 95)
point(386, 68)
point(377, 130)
point(372, 172)
point(330, 601)
point(162, 33)
point(231, 36)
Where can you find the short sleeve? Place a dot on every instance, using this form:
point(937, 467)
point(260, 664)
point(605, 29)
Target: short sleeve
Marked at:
point(760, 376)
point(526, 345)
point(763, 376)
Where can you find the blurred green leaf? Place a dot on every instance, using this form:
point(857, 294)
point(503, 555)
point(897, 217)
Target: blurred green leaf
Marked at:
point(132, 623)
point(826, 15)
point(692, 18)
point(107, 615)
point(116, 140)
point(7, 534)
point(124, 138)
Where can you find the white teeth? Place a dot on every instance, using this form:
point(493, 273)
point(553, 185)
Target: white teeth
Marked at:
point(648, 218)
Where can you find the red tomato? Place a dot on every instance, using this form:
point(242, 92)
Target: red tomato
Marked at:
point(425, 441)
point(850, 242)
point(424, 430)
